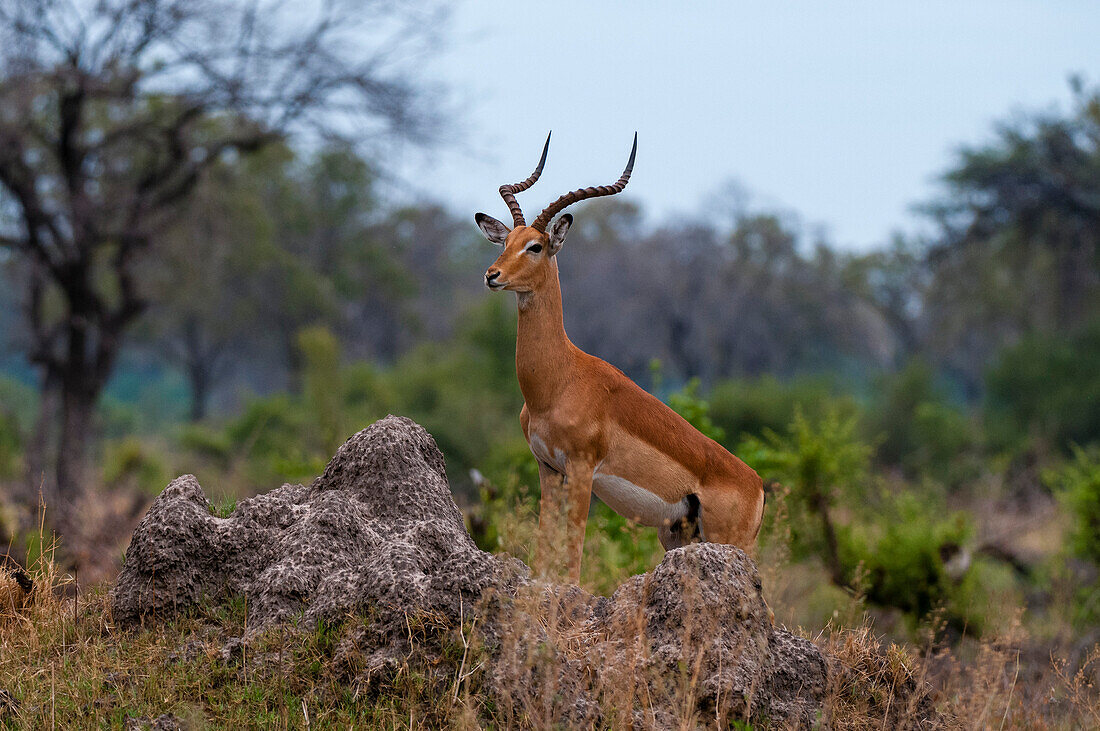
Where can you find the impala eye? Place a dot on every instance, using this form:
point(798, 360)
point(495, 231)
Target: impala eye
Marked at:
point(534, 249)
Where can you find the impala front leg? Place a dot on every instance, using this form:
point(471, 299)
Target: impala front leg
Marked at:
point(578, 484)
point(549, 556)
point(563, 514)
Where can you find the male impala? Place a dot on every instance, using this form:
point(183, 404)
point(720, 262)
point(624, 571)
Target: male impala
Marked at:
point(590, 427)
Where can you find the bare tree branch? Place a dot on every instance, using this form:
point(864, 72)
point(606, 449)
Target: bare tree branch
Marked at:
point(111, 111)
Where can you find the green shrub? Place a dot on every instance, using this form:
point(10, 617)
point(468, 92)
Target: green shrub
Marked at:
point(132, 463)
point(275, 441)
point(207, 442)
point(1046, 387)
point(323, 389)
point(821, 462)
point(898, 559)
point(11, 446)
point(508, 490)
point(18, 404)
point(889, 547)
point(1078, 484)
point(742, 408)
point(919, 429)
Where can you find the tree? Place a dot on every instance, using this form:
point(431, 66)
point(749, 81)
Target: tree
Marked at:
point(713, 303)
point(1019, 250)
point(206, 310)
point(110, 113)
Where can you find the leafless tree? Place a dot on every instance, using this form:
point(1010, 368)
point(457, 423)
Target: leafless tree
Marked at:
point(111, 110)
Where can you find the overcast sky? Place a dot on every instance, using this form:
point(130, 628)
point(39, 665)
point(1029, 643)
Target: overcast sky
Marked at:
point(843, 112)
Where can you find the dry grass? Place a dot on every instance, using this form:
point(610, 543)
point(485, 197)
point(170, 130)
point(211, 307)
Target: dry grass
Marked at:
point(1000, 682)
point(63, 664)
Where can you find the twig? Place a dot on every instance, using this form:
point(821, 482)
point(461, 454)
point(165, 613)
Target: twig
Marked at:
point(465, 648)
point(1008, 702)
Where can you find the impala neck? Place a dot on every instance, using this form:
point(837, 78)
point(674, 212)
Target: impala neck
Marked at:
point(543, 350)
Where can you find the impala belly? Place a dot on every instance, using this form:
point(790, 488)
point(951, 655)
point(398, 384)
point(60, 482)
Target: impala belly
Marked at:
point(635, 503)
point(636, 480)
point(642, 483)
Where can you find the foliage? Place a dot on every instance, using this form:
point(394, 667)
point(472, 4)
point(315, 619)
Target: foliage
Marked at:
point(1046, 387)
point(748, 407)
point(1019, 244)
point(463, 392)
point(821, 461)
point(897, 558)
point(1078, 484)
point(16, 406)
point(917, 426)
point(890, 547)
point(324, 392)
point(507, 483)
point(134, 464)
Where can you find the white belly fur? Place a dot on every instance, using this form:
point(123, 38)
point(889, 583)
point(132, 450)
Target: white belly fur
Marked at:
point(624, 497)
point(635, 503)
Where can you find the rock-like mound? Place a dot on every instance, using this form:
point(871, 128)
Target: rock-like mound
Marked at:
point(379, 527)
point(379, 535)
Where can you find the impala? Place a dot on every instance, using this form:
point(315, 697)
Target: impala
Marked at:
point(590, 427)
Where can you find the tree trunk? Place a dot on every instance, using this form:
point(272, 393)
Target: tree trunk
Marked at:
point(39, 456)
point(820, 505)
point(199, 376)
point(78, 400)
point(294, 363)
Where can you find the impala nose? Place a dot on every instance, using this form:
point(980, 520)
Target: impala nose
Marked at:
point(490, 276)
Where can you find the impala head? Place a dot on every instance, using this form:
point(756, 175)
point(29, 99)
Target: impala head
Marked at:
point(525, 262)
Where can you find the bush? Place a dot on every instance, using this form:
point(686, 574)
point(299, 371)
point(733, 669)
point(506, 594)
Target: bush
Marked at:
point(889, 547)
point(917, 427)
point(11, 446)
point(1078, 484)
point(898, 560)
point(743, 408)
point(503, 519)
point(18, 405)
point(323, 388)
point(132, 463)
point(275, 441)
point(689, 404)
point(1046, 387)
point(821, 462)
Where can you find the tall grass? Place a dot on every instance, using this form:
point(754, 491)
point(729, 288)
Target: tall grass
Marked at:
point(65, 664)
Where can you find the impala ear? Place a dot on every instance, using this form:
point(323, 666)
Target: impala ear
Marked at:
point(493, 229)
point(558, 232)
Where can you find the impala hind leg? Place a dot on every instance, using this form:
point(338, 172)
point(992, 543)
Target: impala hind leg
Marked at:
point(688, 528)
point(732, 518)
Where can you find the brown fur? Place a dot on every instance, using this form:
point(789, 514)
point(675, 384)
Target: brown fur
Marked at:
point(591, 413)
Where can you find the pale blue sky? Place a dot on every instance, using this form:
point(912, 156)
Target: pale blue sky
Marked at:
point(843, 112)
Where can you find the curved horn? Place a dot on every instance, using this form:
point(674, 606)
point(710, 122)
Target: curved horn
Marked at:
point(508, 192)
point(583, 193)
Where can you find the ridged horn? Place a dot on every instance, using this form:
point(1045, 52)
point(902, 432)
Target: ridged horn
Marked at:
point(584, 193)
point(508, 192)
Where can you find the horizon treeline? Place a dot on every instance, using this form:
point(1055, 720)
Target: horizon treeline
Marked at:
point(281, 241)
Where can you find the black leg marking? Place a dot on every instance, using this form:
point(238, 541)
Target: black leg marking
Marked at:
point(688, 529)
